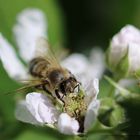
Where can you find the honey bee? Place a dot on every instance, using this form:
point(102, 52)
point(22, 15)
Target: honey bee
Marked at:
point(54, 79)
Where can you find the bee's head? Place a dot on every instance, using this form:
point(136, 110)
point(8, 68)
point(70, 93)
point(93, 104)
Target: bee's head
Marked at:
point(69, 85)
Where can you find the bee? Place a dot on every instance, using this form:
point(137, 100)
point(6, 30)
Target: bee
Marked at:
point(53, 78)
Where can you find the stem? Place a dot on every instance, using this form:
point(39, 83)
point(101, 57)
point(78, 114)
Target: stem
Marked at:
point(105, 131)
point(116, 80)
point(111, 92)
point(122, 90)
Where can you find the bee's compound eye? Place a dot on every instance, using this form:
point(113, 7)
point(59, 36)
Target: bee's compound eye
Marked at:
point(62, 87)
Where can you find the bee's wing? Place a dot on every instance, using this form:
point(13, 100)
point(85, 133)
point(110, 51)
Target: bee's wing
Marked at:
point(27, 85)
point(44, 50)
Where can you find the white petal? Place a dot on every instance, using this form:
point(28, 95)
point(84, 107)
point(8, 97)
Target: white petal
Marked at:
point(47, 113)
point(41, 108)
point(91, 114)
point(76, 63)
point(67, 125)
point(31, 24)
point(126, 83)
point(91, 90)
point(134, 54)
point(128, 35)
point(11, 63)
point(23, 114)
point(131, 34)
point(116, 54)
point(97, 66)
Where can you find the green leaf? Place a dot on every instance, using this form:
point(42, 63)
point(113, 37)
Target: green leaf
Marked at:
point(101, 137)
point(131, 104)
point(7, 104)
point(31, 135)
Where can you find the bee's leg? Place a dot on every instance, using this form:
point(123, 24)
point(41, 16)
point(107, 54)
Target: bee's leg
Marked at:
point(62, 96)
point(58, 96)
point(38, 87)
point(46, 90)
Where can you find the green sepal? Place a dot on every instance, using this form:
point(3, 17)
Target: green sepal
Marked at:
point(100, 129)
point(130, 102)
point(110, 113)
point(107, 54)
point(131, 105)
point(136, 74)
point(122, 67)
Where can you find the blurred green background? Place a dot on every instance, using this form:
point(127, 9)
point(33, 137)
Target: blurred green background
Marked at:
point(79, 25)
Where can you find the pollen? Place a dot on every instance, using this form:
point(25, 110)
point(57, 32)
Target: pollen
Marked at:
point(75, 105)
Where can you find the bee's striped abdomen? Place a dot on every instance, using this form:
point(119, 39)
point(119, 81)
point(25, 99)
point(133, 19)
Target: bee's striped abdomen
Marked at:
point(38, 67)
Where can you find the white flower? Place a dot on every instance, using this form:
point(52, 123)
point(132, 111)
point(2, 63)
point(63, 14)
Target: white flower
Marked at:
point(97, 66)
point(125, 48)
point(31, 24)
point(38, 109)
point(10, 61)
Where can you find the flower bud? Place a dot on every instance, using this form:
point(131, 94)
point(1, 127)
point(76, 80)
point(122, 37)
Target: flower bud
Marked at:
point(124, 51)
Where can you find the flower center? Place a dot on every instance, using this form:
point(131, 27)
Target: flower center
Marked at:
point(76, 107)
